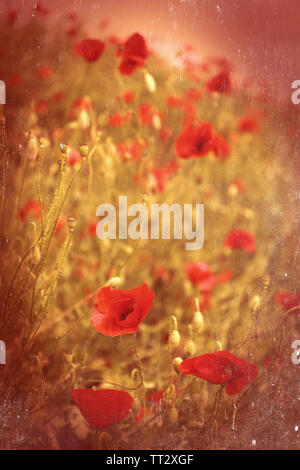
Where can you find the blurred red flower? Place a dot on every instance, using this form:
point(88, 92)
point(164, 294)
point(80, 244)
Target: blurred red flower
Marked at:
point(119, 312)
point(116, 120)
point(221, 368)
point(247, 124)
point(44, 72)
point(220, 146)
point(220, 83)
point(201, 275)
point(74, 157)
point(89, 49)
point(128, 96)
point(288, 300)
point(240, 239)
point(41, 107)
point(161, 175)
point(134, 54)
point(30, 207)
point(130, 150)
point(194, 140)
point(102, 407)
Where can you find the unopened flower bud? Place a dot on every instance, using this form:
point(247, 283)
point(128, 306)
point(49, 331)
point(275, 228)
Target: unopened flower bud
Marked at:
point(174, 340)
point(156, 121)
point(173, 323)
point(190, 348)
point(114, 282)
point(255, 302)
point(176, 362)
point(198, 322)
point(150, 82)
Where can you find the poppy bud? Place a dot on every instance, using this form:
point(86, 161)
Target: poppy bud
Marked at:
point(173, 323)
point(172, 416)
point(198, 322)
point(136, 378)
point(255, 302)
point(176, 363)
point(83, 119)
point(114, 282)
point(156, 121)
point(150, 82)
point(174, 340)
point(190, 348)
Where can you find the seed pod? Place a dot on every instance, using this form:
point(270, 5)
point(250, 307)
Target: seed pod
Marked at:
point(64, 148)
point(84, 150)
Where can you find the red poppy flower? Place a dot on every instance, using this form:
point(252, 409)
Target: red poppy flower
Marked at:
point(247, 124)
point(220, 146)
point(41, 107)
point(30, 207)
point(102, 407)
point(240, 239)
point(58, 96)
point(129, 151)
point(117, 120)
point(119, 312)
point(161, 175)
point(193, 94)
point(146, 113)
point(201, 275)
point(288, 300)
point(74, 157)
point(44, 72)
point(134, 54)
point(221, 368)
point(12, 17)
point(60, 224)
point(220, 83)
point(194, 140)
point(128, 96)
point(89, 49)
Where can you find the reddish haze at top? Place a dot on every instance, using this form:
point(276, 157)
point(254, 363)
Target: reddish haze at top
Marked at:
point(260, 37)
